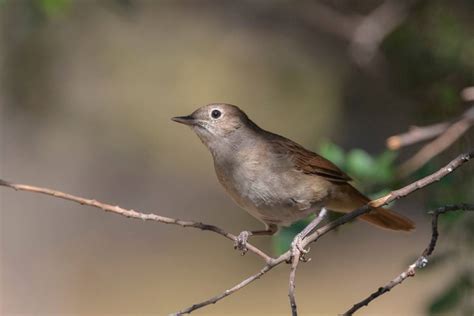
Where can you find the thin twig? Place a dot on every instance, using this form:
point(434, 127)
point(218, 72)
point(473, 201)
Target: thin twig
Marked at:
point(131, 213)
point(270, 262)
point(434, 177)
point(228, 292)
point(291, 291)
point(297, 255)
point(418, 134)
point(420, 262)
point(445, 134)
point(441, 143)
point(415, 135)
point(397, 194)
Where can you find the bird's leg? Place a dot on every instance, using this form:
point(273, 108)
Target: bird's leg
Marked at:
point(297, 241)
point(241, 242)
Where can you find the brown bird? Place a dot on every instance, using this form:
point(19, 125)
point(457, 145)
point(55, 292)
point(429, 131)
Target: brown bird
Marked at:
point(273, 178)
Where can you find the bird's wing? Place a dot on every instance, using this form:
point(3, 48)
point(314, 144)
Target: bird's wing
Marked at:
point(309, 162)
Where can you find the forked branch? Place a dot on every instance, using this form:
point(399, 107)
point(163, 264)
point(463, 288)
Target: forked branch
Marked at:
point(444, 134)
point(420, 262)
point(300, 243)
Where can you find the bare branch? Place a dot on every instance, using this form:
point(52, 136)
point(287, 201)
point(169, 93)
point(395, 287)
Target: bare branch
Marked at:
point(446, 134)
point(418, 134)
point(228, 292)
point(415, 135)
point(397, 194)
point(446, 139)
point(270, 262)
point(421, 262)
point(131, 213)
point(298, 254)
point(291, 291)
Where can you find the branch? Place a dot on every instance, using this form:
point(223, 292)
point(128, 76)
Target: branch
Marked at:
point(298, 254)
point(446, 134)
point(131, 213)
point(228, 292)
point(394, 195)
point(446, 139)
point(421, 262)
point(415, 135)
point(270, 265)
point(270, 262)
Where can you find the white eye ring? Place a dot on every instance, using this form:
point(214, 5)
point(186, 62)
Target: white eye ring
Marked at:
point(215, 114)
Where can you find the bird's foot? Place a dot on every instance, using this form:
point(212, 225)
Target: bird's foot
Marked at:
point(297, 249)
point(241, 242)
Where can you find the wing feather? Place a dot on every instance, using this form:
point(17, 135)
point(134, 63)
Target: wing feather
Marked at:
point(309, 162)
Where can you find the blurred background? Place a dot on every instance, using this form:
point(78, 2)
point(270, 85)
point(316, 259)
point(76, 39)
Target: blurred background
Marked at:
point(87, 92)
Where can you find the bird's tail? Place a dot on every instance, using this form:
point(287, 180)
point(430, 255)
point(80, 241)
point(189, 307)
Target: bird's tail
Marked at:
point(349, 199)
point(386, 218)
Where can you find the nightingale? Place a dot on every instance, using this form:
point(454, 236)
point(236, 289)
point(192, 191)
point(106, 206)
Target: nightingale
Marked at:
point(273, 178)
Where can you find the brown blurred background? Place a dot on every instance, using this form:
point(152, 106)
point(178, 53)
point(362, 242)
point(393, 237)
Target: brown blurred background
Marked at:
point(87, 92)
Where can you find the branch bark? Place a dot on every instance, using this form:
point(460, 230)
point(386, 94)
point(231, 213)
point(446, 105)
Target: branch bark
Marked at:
point(394, 195)
point(445, 134)
point(298, 254)
point(291, 255)
point(415, 135)
point(421, 262)
point(131, 213)
point(441, 143)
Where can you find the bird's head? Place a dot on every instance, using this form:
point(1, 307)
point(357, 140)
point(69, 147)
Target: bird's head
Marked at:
point(217, 123)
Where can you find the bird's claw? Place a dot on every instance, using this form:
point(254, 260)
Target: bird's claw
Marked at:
point(241, 242)
point(297, 248)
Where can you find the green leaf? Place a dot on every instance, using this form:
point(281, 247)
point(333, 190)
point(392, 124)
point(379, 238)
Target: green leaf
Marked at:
point(385, 166)
point(360, 164)
point(53, 7)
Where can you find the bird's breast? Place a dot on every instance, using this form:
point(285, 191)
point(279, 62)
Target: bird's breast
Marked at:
point(270, 190)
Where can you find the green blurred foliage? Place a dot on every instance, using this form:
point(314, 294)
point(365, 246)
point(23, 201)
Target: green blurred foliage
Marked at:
point(53, 7)
point(431, 55)
point(369, 171)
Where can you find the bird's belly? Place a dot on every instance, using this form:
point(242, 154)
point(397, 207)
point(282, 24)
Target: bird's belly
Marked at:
point(275, 196)
point(262, 201)
point(280, 215)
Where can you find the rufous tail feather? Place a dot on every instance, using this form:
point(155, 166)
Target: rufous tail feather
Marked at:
point(349, 199)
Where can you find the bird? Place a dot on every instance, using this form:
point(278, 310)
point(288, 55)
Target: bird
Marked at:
point(275, 179)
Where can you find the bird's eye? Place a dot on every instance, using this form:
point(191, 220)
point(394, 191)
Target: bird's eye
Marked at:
point(216, 114)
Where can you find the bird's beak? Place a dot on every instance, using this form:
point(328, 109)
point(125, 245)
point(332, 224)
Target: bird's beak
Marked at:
point(187, 120)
